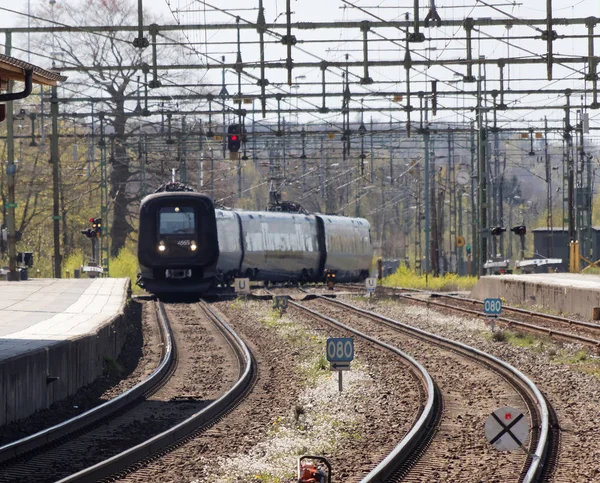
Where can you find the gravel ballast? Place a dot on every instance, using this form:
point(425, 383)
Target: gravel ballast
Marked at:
point(566, 374)
point(295, 408)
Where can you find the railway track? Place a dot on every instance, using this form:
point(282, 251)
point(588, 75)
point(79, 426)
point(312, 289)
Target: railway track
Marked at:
point(420, 435)
point(110, 438)
point(544, 440)
point(554, 326)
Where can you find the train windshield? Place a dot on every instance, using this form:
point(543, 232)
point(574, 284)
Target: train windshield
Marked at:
point(177, 220)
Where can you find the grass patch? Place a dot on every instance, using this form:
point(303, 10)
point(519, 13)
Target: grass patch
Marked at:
point(236, 304)
point(519, 339)
point(407, 278)
point(581, 360)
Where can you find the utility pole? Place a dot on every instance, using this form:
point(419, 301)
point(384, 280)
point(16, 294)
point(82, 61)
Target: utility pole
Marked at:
point(433, 215)
point(406, 208)
point(427, 195)
point(143, 163)
point(11, 170)
point(326, 189)
point(322, 172)
point(570, 171)
point(54, 157)
point(482, 178)
point(452, 198)
point(497, 186)
point(418, 248)
point(549, 222)
point(474, 212)
point(183, 153)
point(200, 159)
point(303, 159)
point(212, 174)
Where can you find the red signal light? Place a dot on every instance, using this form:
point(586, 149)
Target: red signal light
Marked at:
point(234, 138)
point(91, 220)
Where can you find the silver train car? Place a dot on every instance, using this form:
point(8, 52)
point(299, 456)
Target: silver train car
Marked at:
point(214, 246)
point(280, 247)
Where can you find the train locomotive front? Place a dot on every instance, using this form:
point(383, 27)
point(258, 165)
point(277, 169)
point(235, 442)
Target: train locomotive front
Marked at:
point(178, 246)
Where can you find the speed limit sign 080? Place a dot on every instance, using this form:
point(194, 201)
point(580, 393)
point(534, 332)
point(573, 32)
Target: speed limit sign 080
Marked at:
point(492, 306)
point(340, 349)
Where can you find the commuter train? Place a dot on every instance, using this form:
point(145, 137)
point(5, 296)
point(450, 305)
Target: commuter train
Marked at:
point(187, 246)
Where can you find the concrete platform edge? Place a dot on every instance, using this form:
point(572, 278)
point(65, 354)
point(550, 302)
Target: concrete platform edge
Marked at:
point(568, 300)
point(24, 386)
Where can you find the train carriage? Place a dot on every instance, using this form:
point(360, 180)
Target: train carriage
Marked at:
point(348, 247)
point(186, 245)
point(280, 247)
point(177, 242)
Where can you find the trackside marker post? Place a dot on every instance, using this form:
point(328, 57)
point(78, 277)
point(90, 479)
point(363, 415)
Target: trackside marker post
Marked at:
point(492, 308)
point(242, 286)
point(340, 352)
point(371, 285)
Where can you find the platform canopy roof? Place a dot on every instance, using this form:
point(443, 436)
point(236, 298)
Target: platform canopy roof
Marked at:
point(14, 69)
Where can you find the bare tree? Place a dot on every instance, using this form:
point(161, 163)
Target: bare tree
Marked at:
point(85, 55)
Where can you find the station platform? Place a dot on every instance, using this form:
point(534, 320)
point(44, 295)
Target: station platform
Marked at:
point(54, 337)
point(568, 293)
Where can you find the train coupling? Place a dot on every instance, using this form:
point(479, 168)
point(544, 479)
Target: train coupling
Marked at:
point(313, 469)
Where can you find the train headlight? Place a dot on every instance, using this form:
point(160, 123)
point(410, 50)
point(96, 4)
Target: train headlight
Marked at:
point(161, 247)
point(193, 247)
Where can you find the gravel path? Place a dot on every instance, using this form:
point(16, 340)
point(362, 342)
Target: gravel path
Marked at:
point(567, 374)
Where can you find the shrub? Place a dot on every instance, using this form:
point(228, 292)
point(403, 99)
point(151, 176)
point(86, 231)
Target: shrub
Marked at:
point(499, 336)
point(407, 278)
point(73, 262)
point(125, 264)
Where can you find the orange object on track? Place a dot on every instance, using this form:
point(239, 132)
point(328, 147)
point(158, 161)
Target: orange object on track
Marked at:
point(309, 472)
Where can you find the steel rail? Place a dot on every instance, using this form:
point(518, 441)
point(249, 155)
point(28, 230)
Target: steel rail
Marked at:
point(423, 429)
point(532, 313)
point(152, 382)
point(534, 472)
point(196, 422)
point(512, 322)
